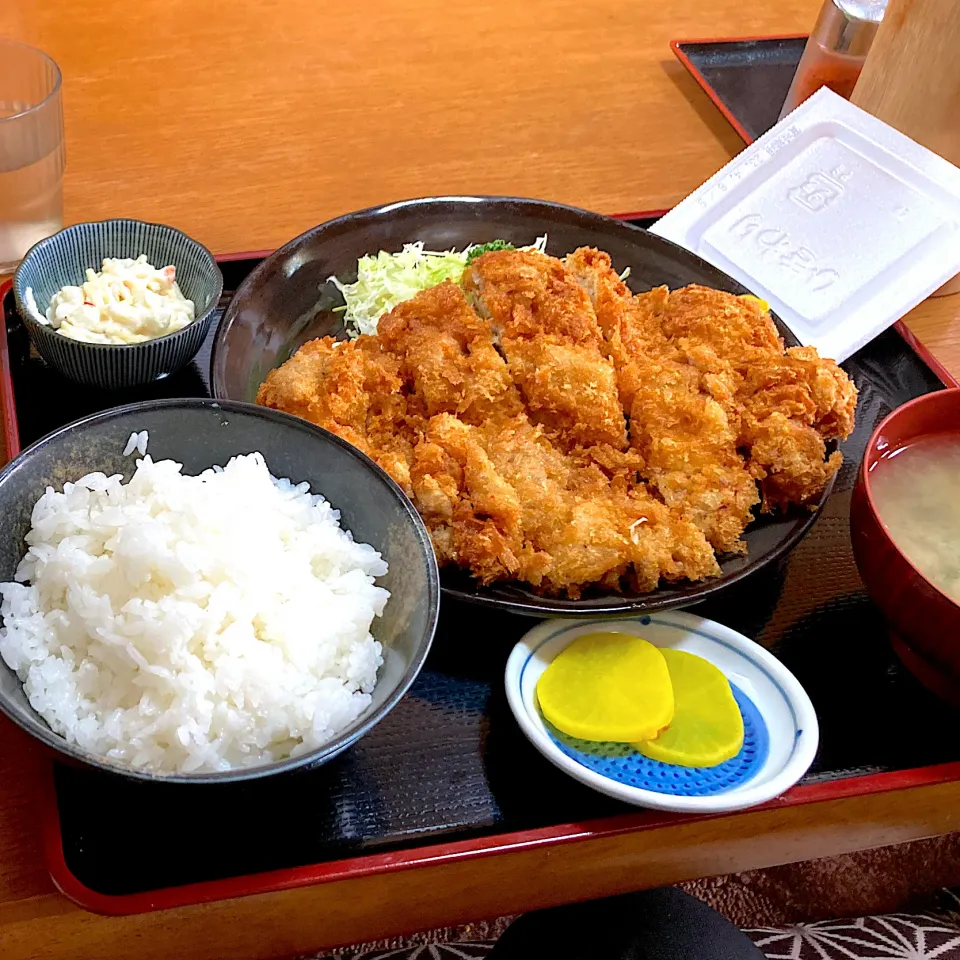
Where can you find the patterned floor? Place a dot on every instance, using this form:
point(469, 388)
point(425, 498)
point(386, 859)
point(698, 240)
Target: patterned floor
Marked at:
point(903, 936)
point(919, 936)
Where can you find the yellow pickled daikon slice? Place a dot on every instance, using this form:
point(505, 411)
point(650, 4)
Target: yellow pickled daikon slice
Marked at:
point(707, 727)
point(607, 686)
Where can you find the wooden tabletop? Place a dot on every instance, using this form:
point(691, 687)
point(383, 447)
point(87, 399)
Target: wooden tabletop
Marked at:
point(246, 123)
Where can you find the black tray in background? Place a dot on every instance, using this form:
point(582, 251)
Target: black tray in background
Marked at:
point(747, 79)
point(449, 762)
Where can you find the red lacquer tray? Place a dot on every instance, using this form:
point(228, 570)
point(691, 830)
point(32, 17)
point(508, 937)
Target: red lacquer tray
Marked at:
point(447, 776)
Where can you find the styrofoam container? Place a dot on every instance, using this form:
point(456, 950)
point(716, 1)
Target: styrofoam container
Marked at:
point(841, 223)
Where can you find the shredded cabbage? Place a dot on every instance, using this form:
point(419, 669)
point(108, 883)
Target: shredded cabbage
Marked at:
point(386, 279)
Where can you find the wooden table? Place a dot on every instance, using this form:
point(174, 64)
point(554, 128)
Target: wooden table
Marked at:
point(244, 124)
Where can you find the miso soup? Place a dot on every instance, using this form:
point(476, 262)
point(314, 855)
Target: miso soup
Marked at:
point(916, 490)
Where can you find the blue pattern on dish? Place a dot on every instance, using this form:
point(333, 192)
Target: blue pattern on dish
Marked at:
point(620, 762)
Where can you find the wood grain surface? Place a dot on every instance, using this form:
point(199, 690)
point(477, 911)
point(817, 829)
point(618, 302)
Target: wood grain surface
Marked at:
point(911, 78)
point(246, 123)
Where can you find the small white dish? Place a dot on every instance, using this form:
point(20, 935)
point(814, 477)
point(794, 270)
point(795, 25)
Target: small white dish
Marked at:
point(792, 732)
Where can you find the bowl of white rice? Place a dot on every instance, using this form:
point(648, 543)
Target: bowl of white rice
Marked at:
point(206, 591)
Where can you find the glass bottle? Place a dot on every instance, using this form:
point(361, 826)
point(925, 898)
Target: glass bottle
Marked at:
point(835, 53)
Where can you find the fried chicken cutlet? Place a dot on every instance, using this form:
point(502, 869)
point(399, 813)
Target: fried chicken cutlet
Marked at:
point(683, 434)
point(504, 502)
point(787, 403)
point(547, 331)
point(554, 428)
point(791, 406)
point(446, 354)
point(353, 389)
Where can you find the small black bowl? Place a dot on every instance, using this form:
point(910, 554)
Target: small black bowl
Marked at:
point(288, 300)
point(63, 259)
point(199, 433)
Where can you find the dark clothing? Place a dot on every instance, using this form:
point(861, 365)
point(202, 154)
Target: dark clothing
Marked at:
point(665, 924)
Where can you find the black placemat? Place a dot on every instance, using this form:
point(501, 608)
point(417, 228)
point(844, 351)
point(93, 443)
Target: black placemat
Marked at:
point(449, 762)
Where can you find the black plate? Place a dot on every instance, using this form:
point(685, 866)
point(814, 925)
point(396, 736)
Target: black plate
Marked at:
point(288, 300)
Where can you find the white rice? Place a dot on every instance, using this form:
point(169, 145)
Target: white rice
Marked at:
point(182, 623)
point(137, 444)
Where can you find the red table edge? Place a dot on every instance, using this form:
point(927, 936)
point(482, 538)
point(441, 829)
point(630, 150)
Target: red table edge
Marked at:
point(442, 853)
point(944, 375)
point(435, 854)
point(8, 410)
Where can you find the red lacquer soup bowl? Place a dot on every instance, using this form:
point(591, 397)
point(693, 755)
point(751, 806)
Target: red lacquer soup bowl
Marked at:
point(925, 623)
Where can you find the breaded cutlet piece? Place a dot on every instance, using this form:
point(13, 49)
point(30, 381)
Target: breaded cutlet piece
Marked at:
point(683, 434)
point(784, 404)
point(570, 389)
point(789, 458)
point(790, 406)
point(353, 389)
point(503, 501)
point(547, 331)
point(805, 387)
point(722, 335)
point(596, 529)
point(447, 357)
point(624, 317)
point(691, 453)
point(630, 323)
point(738, 329)
point(527, 294)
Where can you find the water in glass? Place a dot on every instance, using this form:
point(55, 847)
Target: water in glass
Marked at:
point(31, 151)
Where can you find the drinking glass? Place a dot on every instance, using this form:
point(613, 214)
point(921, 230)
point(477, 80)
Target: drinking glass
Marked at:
point(31, 150)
